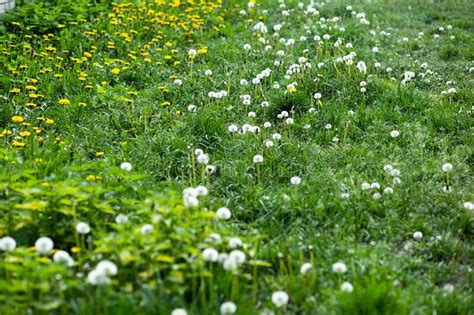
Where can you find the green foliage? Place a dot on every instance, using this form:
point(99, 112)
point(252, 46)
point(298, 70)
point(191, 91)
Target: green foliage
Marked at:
point(88, 85)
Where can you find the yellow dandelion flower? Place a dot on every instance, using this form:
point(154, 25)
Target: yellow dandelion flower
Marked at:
point(18, 144)
point(115, 71)
point(15, 90)
point(202, 51)
point(64, 101)
point(90, 178)
point(18, 119)
point(25, 133)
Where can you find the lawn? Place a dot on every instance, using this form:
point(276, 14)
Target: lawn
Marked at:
point(219, 157)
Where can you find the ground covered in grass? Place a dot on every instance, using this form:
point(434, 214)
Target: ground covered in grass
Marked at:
point(219, 157)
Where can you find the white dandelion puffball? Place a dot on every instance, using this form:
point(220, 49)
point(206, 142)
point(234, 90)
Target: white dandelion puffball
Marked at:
point(268, 143)
point(96, 277)
point(107, 267)
point(376, 196)
point(83, 228)
point(447, 167)
point(394, 133)
point(223, 213)
point(146, 229)
point(448, 288)
point(235, 242)
point(210, 169)
point(417, 235)
point(347, 287)
point(7, 243)
point(192, 52)
point(339, 267)
point(468, 205)
point(179, 311)
point(189, 192)
point(198, 152)
point(62, 257)
point(228, 308)
point(233, 128)
point(210, 254)
point(276, 136)
point(237, 256)
point(44, 245)
point(126, 166)
point(190, 201)
point(305, 268)
point(229, 264)
point(121, 219)
point(295, 180)
point(388, 168)
point(201, 190)
point(280, 298)
point(258, 159)
point(203, 159)
point(375, 186)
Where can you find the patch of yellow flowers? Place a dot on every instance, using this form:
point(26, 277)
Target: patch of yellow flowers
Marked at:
point(134, 32)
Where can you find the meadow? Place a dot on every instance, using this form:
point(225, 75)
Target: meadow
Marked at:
point(234, 157)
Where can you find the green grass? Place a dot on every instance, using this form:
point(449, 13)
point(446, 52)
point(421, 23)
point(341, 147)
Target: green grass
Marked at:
point(58, 179)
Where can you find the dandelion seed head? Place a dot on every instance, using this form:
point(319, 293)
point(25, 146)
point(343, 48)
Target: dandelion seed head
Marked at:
point(280, 298)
